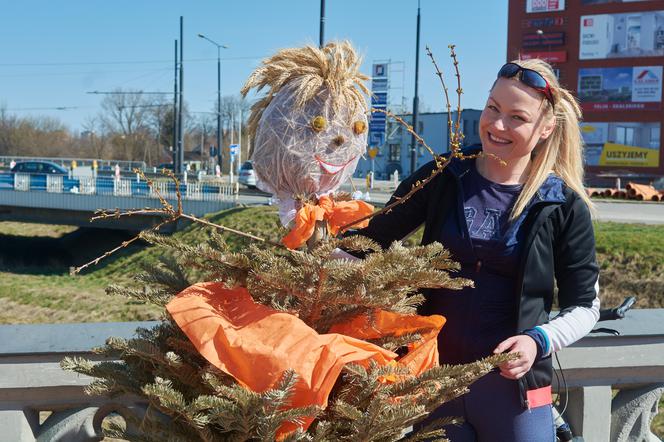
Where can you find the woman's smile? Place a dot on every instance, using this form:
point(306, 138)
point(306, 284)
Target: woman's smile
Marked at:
point(497, 140)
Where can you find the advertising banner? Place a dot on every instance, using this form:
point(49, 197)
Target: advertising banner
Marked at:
point(619, 89)
point(630, 34)
point(379, 89)
point(621, 144)
point(545, 5)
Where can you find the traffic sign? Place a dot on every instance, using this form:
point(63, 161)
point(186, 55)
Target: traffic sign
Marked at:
point(233, 148)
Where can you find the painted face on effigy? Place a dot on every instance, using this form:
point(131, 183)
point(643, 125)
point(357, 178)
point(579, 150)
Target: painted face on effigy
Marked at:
point(310, 149)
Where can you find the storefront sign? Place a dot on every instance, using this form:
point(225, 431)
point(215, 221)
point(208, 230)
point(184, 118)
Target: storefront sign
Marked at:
point(549, 56)
point(621, 144)
point(544, 5)
point(620, 89)
point(539, 23)
point(633, 34)
point(622, 155)
point(601, 2)
point(543, 39)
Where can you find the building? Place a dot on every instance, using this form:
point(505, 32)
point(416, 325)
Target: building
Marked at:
point(395, 153)
point(610, 53)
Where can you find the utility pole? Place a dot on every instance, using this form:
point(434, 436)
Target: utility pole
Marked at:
point(176, 158)
point(219, 47)
point(413, 141)
point(321, 35)
point(180, 165)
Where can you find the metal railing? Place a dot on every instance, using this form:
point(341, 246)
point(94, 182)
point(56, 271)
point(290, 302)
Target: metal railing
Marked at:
point(6, 160)
point(127, 187)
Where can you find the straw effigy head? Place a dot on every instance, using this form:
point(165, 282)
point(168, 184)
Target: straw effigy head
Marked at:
point(310, 128)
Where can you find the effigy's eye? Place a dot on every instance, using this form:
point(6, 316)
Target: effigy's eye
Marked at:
point(318, 123)
point(359, 127)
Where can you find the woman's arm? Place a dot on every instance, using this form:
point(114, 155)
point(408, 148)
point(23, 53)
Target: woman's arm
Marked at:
point(577, 274)
point(404, 218)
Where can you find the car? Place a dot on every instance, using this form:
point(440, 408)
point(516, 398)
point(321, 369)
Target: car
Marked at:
point(247, 175)
point(39, 167)
point(659, 184)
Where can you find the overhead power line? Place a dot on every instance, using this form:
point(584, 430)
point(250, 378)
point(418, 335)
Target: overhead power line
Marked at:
point(82, 63)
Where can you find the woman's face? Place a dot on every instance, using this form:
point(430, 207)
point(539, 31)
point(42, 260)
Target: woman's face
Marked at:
point(514, 120)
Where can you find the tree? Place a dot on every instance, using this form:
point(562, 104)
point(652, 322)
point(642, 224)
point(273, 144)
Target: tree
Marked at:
point(191, 399)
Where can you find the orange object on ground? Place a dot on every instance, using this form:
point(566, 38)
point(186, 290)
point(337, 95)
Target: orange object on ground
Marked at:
point(256, 344)
point(337, 214)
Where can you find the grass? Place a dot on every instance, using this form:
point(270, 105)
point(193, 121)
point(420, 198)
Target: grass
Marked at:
point(35, 285)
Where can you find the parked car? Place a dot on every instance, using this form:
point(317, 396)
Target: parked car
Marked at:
point(247, 175)
point(40, 167)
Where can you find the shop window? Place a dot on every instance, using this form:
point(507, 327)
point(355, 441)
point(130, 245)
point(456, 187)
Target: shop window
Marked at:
point(395, 152)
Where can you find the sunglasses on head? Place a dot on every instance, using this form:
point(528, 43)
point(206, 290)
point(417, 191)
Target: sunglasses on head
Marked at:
point(528, 77)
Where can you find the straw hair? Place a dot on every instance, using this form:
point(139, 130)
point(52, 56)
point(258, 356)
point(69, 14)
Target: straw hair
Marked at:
point(334, 67)
point(562, 152)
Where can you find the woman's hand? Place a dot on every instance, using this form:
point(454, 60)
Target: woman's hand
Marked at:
point(527, 349)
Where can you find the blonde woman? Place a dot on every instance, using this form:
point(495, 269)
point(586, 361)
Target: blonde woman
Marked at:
point(518, 230)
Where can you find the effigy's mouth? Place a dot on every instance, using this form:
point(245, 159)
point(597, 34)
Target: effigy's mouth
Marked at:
point(329, 168)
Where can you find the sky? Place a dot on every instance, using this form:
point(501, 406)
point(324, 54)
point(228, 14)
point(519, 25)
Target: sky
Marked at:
point(54, 51)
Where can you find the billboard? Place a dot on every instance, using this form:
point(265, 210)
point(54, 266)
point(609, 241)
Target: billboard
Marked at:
point(621, 144)
point(545, 5)
point(620, 89)
point(630, 34)
point(601, 2)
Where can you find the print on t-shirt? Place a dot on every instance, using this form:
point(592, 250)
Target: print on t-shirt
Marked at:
point(488, 223)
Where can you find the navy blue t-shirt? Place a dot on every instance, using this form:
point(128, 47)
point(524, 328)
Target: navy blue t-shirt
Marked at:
point(481, 317)
point(487, 207)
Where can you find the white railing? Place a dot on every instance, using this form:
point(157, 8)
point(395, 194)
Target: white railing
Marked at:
point(21, 182)
point(32, 383)
point(87, 185)
point(125, 187)
point(54, 183)
point(122, 187)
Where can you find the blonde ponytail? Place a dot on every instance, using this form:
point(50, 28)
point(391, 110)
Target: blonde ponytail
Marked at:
point(562, 152)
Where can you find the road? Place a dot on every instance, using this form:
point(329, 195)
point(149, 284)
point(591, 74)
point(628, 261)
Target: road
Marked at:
point(616, 211)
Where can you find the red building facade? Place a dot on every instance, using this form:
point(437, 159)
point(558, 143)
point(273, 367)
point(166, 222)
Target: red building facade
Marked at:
point(611, 54)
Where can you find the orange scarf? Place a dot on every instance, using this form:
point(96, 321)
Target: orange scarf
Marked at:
point(337, 214)
point(256, 344)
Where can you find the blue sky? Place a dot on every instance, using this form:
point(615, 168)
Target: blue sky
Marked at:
point(54, 51)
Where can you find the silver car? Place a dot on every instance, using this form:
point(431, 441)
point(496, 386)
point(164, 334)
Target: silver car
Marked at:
point(247, 175)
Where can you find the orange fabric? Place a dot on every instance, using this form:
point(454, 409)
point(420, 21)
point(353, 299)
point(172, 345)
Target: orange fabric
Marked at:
point(541, 396)
point(421, 356)
point(256, 344)
point(337, 214)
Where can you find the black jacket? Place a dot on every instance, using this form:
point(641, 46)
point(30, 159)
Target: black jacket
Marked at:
point(557, 249)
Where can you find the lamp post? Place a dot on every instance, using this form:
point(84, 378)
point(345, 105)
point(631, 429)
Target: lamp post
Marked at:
point(219, 47)
point(413, 141)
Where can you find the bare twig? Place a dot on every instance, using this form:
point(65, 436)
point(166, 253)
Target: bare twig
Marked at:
point(166, 211)
point(407, 126)
point(439, 73)
point(121, 246)
point(458, 133)
point(441, 163)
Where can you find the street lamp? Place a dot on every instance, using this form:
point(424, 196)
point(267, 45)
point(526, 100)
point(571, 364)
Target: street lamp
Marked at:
point(219, 47)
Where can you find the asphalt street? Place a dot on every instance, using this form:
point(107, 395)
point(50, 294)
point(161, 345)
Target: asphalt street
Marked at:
point(616, 211)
